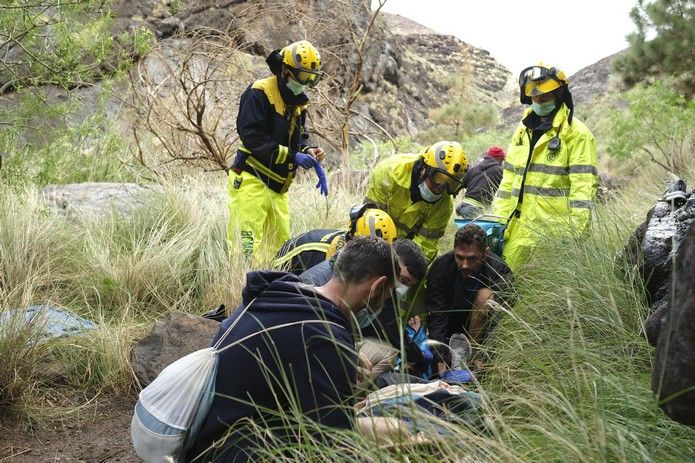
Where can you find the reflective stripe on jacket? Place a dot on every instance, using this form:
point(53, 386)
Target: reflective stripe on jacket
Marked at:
point(308, 249)
point(389, 188)
point(559, 187)
point(270, 124)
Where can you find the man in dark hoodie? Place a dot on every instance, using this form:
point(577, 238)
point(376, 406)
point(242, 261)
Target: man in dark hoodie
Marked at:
point(481, 182)
point(294, 356)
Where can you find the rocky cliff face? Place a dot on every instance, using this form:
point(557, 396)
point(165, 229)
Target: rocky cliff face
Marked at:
point(424, 66)
point(407, 69)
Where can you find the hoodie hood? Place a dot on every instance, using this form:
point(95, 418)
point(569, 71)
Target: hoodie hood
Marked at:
point(284, 296)
point(259, 281)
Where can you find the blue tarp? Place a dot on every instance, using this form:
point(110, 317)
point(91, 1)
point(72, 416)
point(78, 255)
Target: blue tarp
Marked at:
point(51, 321)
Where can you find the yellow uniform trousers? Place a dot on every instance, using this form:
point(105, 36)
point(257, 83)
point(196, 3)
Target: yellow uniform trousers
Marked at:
point(258, 216)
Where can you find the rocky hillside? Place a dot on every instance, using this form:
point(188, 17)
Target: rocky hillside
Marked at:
point(407, 69)
point(404, 71)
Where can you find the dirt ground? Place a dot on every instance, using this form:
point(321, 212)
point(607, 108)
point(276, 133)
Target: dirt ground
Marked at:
point(102, 435)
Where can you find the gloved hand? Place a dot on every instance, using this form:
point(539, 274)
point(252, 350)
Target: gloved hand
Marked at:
point(427, 355)
point(458, 376)
point(305, 160)
point(322, 185)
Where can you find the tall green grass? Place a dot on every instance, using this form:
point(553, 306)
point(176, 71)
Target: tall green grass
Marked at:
point(568, 379)
point(122, 271)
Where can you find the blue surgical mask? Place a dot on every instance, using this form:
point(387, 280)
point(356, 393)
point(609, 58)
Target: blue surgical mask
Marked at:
point(365, 317)
point(427, 194)
point(543, 109)
point(295, 87)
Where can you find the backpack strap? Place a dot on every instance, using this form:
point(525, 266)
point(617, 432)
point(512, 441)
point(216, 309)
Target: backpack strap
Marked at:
point(229, 329)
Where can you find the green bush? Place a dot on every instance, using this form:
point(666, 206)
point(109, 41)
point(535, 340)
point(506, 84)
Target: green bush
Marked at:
point(658, 124)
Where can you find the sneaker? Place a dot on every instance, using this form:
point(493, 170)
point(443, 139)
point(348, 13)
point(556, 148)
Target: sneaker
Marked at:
point(675, 193)
point(460, 351)
point(218, 313)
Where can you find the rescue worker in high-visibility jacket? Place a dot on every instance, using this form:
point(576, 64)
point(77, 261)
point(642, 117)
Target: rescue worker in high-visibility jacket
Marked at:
point(550, 176)
point(417, 189)
point(274, 142)
point(304, 251)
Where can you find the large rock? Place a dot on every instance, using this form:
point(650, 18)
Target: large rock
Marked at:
point(95, 198)
point(172, 338)
point(652, 248)
point(673, 375)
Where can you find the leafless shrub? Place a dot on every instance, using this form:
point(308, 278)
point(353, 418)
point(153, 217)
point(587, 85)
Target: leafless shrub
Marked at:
point(187, 91)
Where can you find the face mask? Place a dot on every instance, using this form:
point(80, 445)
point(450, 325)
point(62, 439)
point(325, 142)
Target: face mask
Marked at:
point(365, 317)
point(295, 87)
point(401, 289)
point(543, 109)
point(401, 294)
point(427, 194)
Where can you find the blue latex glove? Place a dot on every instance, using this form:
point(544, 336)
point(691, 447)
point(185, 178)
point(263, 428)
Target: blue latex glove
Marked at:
point(305, 160)
point(459, 376)
point(427, 355)
point(322, 185)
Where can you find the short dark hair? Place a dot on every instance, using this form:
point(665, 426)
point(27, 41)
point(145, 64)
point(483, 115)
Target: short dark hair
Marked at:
point(412, 257)
point(471, 234)
point(365, 257)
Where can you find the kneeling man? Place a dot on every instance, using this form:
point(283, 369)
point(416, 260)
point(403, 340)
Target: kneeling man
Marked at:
point(293, 360)
point(459, 285)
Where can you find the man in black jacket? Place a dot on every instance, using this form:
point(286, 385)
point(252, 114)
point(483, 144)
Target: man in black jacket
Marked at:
point(481, 182)
point(459, 285)
point(294, 355)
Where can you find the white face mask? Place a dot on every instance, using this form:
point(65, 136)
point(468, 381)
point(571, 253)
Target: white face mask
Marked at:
point(295, 87)
point(427, 194)
point(401, 289)
point(401, 294)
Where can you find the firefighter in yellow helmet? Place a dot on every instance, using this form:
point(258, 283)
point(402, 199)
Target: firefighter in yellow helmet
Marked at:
point(315, 246)
point(417, 189)
point(550, 176)
point(274, 143)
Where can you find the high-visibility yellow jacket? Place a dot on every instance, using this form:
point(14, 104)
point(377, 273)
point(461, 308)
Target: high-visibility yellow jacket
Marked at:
point(557, 187)
point(271, 127)
point(390, 188)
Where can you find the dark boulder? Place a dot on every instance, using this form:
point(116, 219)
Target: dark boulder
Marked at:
point(673, 374)
point(652, 247)
point(172, 338)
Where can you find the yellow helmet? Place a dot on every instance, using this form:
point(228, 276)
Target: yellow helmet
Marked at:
point(539, 79)
point(446, 164)
point(367, 219)
point(303, 62)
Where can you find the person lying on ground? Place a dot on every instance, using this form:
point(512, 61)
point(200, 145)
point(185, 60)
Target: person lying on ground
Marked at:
point(294, 353)
point(304, 251)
